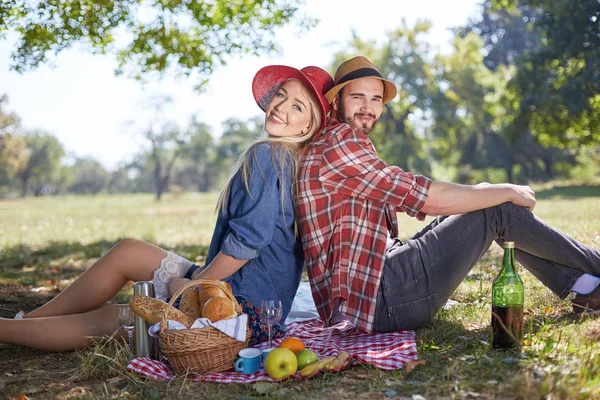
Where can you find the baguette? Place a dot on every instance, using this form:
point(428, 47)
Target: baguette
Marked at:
point(314, 368)
point(340, 361)
point(189, 304)
point(152, 310)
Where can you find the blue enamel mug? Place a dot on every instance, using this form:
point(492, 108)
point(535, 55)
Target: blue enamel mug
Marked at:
point(249, 361)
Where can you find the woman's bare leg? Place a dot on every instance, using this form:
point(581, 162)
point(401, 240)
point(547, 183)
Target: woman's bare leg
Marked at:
point(128, 260)
point(64, 332)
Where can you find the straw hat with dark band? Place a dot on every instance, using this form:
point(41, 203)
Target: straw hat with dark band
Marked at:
point(356, 68)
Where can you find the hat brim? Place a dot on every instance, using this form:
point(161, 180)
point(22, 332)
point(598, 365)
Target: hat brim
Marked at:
point(268, 79)
point(389, 89)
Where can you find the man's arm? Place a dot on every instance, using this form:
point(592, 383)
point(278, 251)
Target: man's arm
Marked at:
point(445, 198)
point(351, 166)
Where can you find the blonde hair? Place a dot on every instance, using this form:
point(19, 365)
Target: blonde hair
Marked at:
point(290, 150)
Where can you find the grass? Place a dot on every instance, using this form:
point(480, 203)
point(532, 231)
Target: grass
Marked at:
point(46, 242)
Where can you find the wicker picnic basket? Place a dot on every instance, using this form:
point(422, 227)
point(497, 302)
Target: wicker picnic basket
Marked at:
point(199, 350)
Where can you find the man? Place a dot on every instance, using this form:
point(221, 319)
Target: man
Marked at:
point(348, 199)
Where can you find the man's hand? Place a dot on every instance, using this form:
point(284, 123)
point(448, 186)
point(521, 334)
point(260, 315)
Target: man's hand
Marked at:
point(523, 196)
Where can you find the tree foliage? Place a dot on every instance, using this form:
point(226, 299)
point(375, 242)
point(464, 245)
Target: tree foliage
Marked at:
point(506, 33)
point(200, 169)
point(558, 84)
point(148, 36)
point(12, 147)
point(516, 98)
point(88, 177)
point(43, 168)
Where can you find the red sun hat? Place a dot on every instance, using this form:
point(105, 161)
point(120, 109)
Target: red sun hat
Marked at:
point(268, 79)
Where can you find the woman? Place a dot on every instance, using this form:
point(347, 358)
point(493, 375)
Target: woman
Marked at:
point(254, 246)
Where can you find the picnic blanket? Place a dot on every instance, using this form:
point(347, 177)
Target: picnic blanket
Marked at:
point(387, 351)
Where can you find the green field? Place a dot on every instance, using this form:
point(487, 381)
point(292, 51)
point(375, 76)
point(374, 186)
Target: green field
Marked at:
point(46, 242)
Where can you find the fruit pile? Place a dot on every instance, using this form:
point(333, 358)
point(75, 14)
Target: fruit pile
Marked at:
point(291, 356)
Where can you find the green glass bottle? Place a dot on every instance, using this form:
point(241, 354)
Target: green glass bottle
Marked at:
point(507, 303)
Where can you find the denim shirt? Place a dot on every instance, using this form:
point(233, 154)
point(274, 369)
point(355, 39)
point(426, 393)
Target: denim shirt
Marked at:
point(260, 228)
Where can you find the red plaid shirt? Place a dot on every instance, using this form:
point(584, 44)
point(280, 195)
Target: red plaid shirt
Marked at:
point(348, 198)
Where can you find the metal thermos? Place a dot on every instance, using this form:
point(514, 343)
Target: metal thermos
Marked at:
point(145, 345)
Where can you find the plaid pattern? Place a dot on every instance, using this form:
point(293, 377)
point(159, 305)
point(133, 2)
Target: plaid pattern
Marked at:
point(387, 351)
point(347, 201)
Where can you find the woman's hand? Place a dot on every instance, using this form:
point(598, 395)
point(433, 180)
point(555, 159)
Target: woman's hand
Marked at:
point(197, 272)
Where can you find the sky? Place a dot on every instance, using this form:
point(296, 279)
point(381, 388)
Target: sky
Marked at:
point(80, 101)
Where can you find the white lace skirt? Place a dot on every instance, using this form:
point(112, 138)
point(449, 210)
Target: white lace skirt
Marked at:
point(172, 266)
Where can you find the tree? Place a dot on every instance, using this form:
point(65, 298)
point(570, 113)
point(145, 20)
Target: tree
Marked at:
point(9, 122)
point(12, 156)
point(183, 36)
point(237, 136)
point(501, 141)
point(119, 181)
point(199, 170)
point(166, 146)
point(12, 147)
point(463, 129)
point(557, 84)
point(139, 174)
point(43, 165)
point(507, 33)
point(88, 177)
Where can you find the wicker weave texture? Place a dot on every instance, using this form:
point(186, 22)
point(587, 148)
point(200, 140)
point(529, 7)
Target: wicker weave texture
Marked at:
point(200, 350)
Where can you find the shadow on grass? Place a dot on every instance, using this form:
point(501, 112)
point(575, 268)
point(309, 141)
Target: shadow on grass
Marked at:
point(456, 353)
point(568, 191)
point(64, 260)
point(537, 323)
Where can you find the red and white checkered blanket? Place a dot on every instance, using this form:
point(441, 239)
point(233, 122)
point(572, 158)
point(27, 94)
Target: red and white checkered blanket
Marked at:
point(386, 351)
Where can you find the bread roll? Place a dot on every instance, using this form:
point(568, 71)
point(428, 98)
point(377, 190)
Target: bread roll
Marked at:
point(190, 305)
point(219, 308)
point(207, 292)
point(152, 310)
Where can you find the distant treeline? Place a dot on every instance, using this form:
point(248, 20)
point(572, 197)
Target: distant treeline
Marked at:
point(517, 99)
point(36, 163)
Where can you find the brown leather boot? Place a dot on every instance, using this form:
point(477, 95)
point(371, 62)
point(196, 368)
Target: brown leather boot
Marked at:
point(588, 304)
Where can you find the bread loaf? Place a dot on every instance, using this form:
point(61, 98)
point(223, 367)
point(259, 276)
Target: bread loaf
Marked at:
point(152, 310)
point(219, 308)
point(207, 292)
point(190, 305)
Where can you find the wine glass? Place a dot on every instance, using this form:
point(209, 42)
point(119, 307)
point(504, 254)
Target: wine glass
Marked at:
point(127, 322)
point(271, 312)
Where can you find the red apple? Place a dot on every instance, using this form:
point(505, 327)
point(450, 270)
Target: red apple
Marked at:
point(281, 363)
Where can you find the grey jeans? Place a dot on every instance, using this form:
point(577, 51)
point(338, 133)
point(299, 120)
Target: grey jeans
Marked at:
point(420, 275)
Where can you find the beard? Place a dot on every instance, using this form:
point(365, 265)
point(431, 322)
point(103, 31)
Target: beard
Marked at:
point(353, 122)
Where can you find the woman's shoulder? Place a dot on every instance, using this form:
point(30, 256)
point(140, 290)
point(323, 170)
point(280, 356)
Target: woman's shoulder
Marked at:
point(261, 149)
point(268, 154)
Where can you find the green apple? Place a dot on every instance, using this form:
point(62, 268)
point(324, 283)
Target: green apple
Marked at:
point(306, 357)
point(281, 363)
